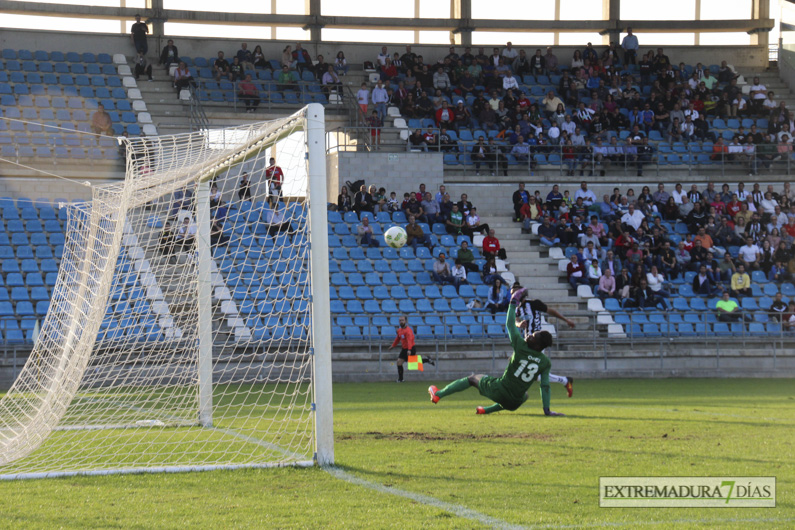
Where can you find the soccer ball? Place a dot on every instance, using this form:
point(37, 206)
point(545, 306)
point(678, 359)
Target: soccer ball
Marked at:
point(395, 237)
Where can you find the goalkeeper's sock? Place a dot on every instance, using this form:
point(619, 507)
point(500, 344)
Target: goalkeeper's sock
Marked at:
point(459, 385)
point(558, 379)
point(493, 408)
point(400, 373)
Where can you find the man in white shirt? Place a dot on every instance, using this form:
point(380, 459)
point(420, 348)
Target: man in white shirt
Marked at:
point(568, 126)
point(749, 255)
point(509, 53)
point(588, 197)
point(459, 274)
point(677, 195)
point(551, 102)
point(383, 56)
point(509, 82)
point(768, 204)
point(632, 218)
point(758, 94)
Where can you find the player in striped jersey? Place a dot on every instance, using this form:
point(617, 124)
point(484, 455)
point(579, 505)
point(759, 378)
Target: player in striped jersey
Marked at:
point(529, 317)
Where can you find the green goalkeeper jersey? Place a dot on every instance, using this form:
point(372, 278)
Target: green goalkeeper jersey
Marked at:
point(524, 366)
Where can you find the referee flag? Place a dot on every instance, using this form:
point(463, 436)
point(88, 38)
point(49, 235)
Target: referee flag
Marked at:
point(415, 362)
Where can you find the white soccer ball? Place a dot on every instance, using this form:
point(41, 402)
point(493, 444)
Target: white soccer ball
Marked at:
point(395, 237)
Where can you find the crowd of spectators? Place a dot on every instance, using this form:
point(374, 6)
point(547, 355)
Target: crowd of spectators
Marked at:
point(594, 96)
point(427, 214)
point(632, 246)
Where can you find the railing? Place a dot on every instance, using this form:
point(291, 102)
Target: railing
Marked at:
point(198, 118)
point(690, 157)
point(591, 334)
point(772, 53)
point(272, 95)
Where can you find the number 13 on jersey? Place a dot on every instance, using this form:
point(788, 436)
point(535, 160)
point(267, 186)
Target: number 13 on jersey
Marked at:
point(526, 371)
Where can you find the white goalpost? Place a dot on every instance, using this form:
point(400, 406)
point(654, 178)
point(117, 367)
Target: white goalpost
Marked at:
point(189, 328)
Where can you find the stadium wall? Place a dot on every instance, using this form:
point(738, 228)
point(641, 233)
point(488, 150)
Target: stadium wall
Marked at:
point(397, 172)
point(356, 53)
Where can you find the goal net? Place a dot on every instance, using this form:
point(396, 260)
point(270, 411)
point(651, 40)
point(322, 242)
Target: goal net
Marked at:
point(189, 326)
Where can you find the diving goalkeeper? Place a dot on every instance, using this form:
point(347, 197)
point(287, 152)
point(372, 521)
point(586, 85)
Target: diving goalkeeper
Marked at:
point(510, 391)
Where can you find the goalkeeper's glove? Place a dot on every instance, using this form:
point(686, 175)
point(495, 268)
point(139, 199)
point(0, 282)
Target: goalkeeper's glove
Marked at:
point(548, 412)
point(517, 296)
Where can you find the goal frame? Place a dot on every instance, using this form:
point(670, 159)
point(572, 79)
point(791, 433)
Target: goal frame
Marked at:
point(319, 306)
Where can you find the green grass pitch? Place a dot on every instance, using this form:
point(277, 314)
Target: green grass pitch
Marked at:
point(461, 470)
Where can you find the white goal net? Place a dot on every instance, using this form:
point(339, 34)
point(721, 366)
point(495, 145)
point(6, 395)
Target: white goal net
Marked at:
point(187, 329)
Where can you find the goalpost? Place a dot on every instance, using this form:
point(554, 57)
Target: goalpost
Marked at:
point(189, 328)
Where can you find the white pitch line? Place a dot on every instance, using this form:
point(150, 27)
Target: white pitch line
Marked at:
point(455, 509)
point(657, 523)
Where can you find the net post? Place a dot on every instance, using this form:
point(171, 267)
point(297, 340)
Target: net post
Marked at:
point(321, 313)
point(204, 296)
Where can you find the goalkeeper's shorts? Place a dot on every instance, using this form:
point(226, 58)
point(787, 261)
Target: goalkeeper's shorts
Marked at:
point(491, 387)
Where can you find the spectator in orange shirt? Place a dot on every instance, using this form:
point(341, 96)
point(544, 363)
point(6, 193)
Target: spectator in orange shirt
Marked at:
point(491, 247)
point(405, 337)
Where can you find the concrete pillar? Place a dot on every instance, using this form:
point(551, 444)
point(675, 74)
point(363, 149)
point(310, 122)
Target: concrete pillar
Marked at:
point(461, 10)
point(611, 10)
point(313, 10)
point(158, 22)
point(761, 10)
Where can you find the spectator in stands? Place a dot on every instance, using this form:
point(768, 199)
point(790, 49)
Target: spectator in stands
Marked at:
point(142, 67)
point(300, 59)
point(778, 272)
point(168, 243)
point(441, 271)
point(473, 225)
point(530, 211)
point(607, 285)
point(249, 94)
point(344, 203)
point(455, 223)
point(236, 71)
point(415, 234)
point(728, 310)
point(480, 153)
point(588, 197)
point(758, 93)
point(245, 57)
point(379, 99)
point(432, 209)
point(459, 274)
point(101, 122)
point(331, 81)
point(630, 46)
point(740, 283)
point(498, 297)
point(492, 248)
point(362, 201)
point(169, 55)
point(594, 272)
point(220, 67)
point(182, 77)
point(138, 33)
point(645, 297)
point(467, 257)
point(549, 235)
point(656, 282)
point(777, 308)
point(340, 63)
point(365, 234)
point(186, 234)
point(632, 220)
point(275, 221)
point(414, 208)
point(576, 273)
point(244, 192)
point(750, 255)
point(376, 124)
point(705, 283)
point(285, 79)
point(489, 273)
point(520, 198)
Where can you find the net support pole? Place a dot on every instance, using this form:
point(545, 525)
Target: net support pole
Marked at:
point(204, 288)
point(321, 312)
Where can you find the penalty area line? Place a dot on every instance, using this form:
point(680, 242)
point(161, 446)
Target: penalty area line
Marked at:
point(455, 509)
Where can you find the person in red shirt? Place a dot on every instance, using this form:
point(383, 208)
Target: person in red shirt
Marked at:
point(491, 247)
point(445, 116)
point(733, 208)
point(405, 337)
point(275, 176)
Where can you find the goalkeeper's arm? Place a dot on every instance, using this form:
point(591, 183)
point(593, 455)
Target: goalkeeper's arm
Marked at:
point(545, 394)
